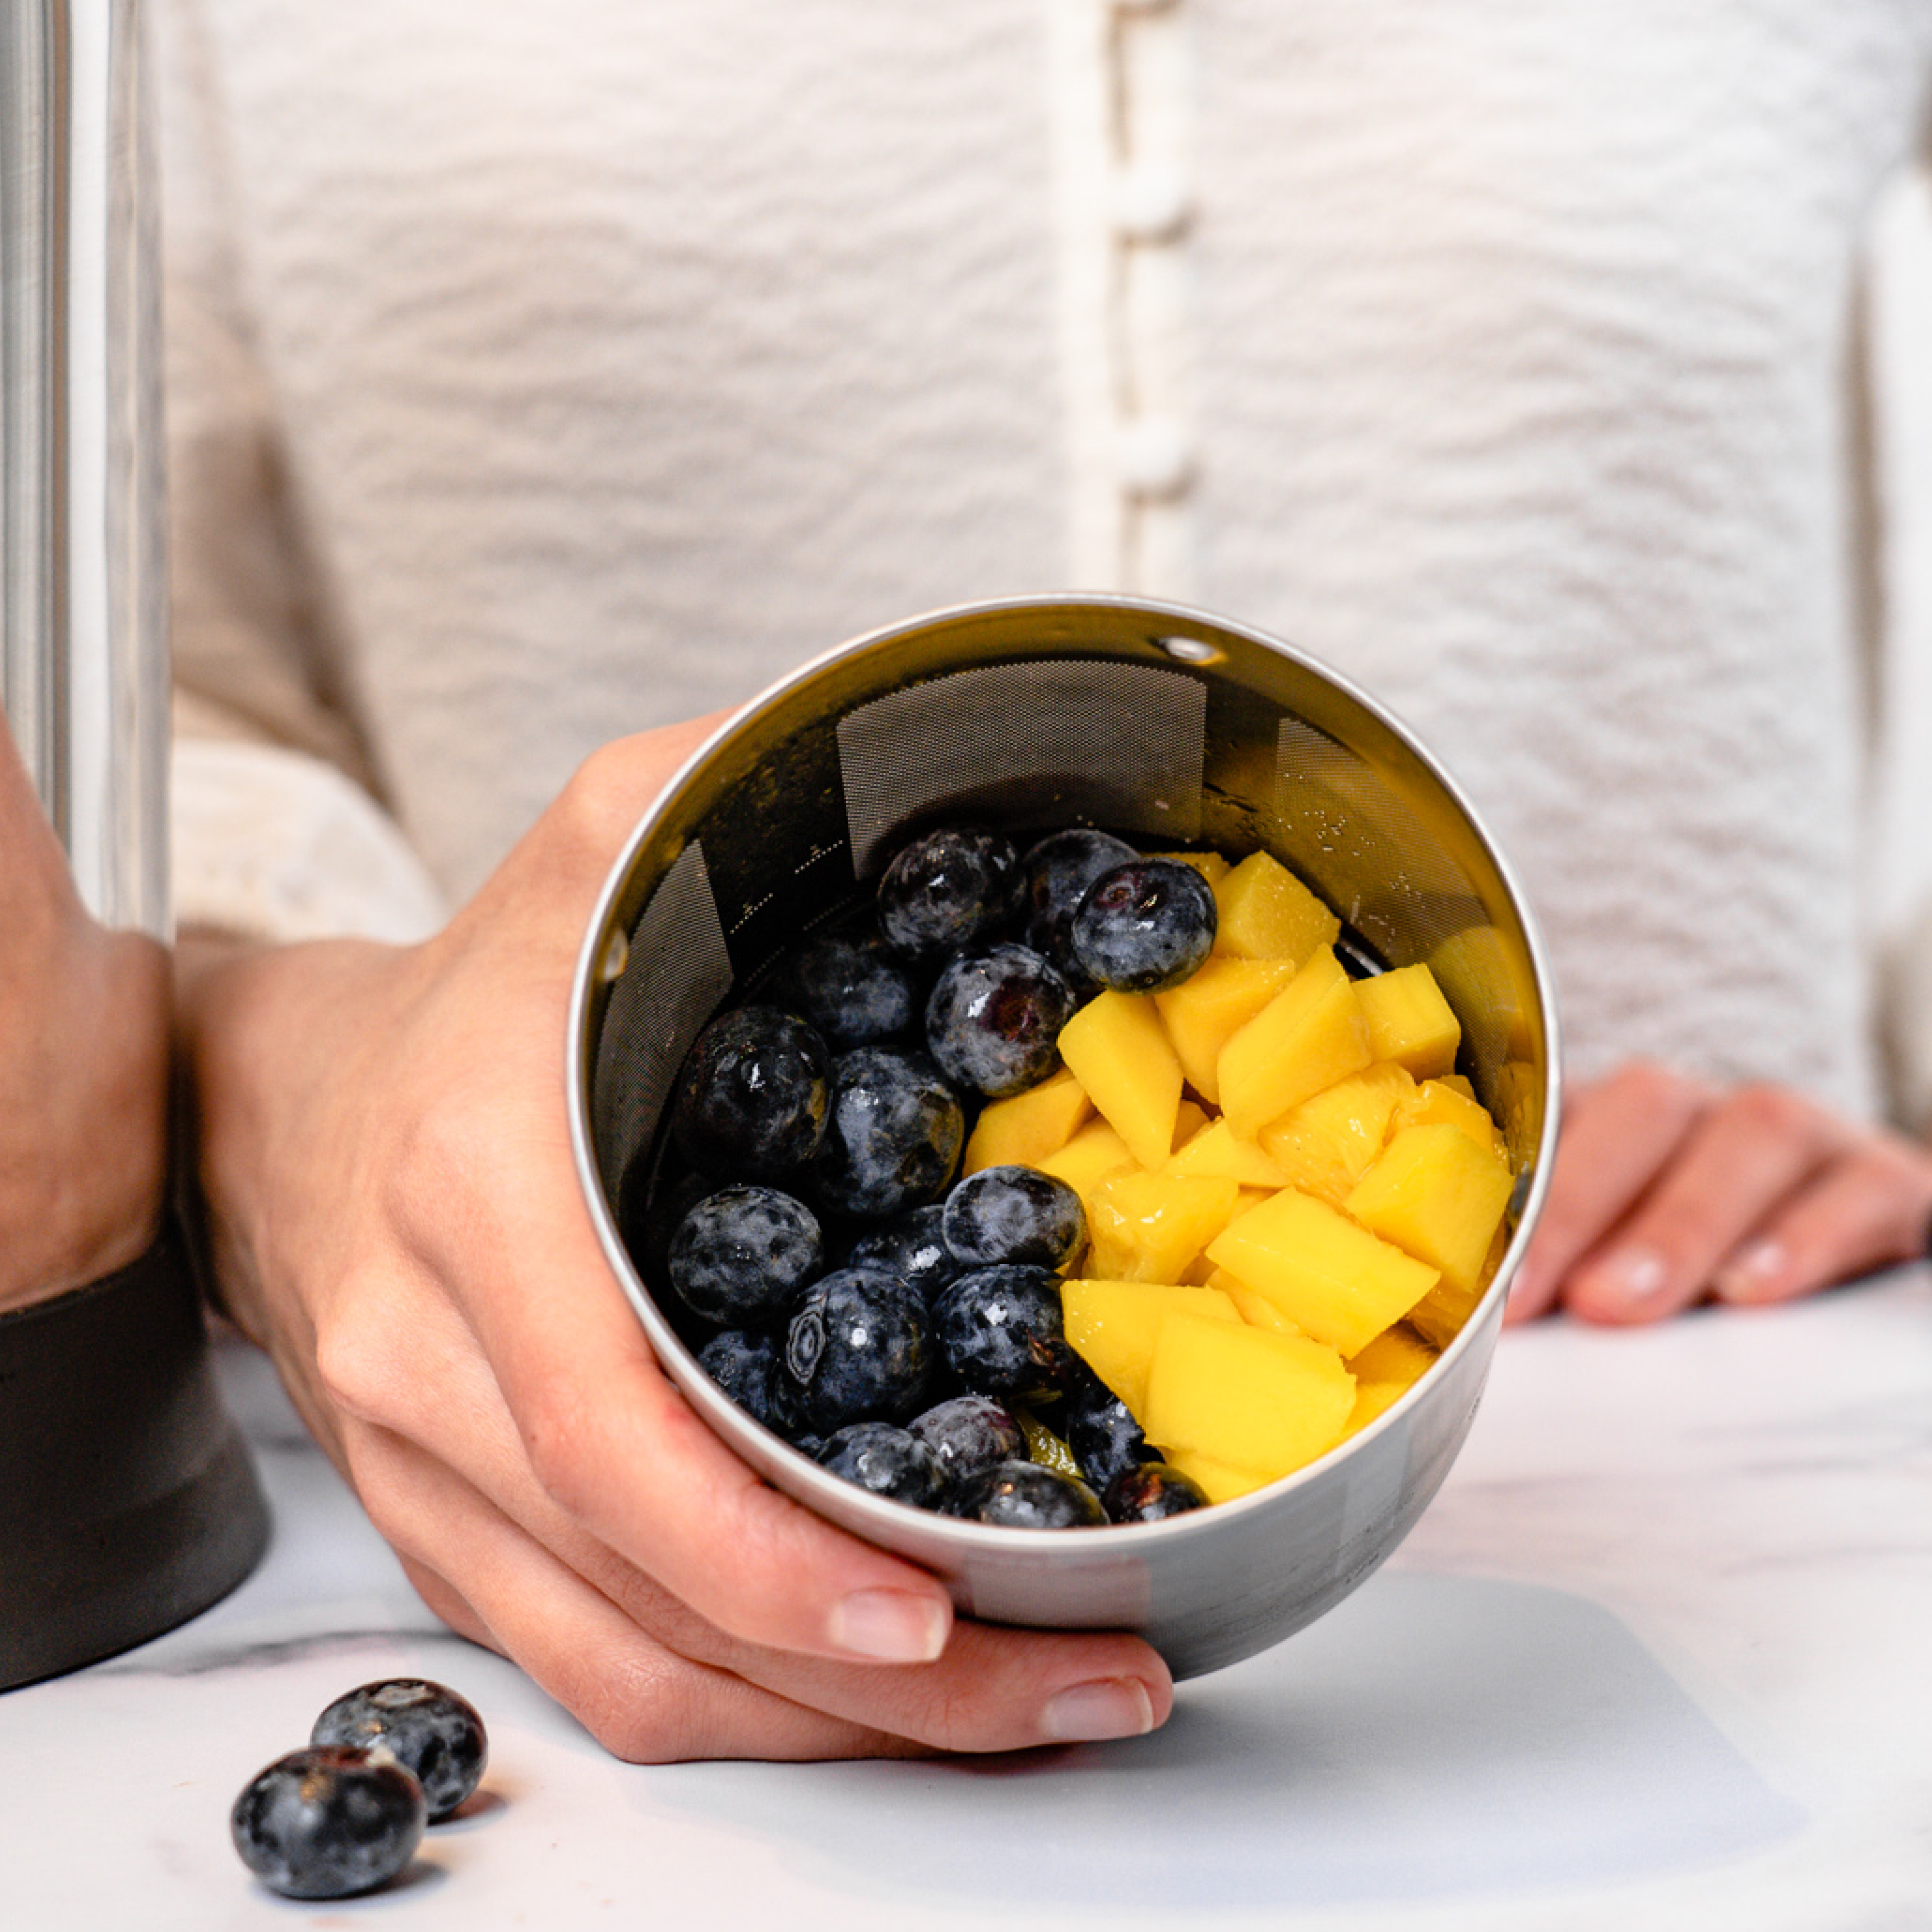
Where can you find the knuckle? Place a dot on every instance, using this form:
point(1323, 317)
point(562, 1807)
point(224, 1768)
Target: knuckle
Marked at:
point(557, 1435)
point(355, 1361)
point(1771, 1112)
point(1652, 1086)
point(605, 794)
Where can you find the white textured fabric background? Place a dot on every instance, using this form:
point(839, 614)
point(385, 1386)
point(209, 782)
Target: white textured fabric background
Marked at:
point(539, 373)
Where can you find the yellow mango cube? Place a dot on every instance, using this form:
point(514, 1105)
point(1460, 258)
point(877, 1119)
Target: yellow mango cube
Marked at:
point(1442, 1104)
point(1113, 1326)
point(1310, 1035)
point(1386, 1370)
point(1439, 1315)
point(1211, 865)
point(1437, 1196)
point(1255, 1310)
point(1215, 1151)
point(1118, 1050)
point(1023, 1130)
point(1324, 1146)
point(1409, 1021)
point(1150, 1227)
point(1336, 1282)
point(1245, 1395)
point(1263, 911)
point(1087, 1159)
point(1219, 1482)
point(1205, 1011)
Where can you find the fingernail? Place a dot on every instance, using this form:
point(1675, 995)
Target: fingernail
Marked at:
point(1763, 1265)
point(890, 1626)
point(1635, 1274)
point(1109, 1707)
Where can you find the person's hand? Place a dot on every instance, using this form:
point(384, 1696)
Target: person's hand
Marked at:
point(1668, 1192)
point(394, 1212)
point(83, 1069)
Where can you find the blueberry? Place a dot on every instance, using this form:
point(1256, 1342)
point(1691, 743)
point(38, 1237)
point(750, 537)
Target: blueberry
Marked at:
point(949, 888)
point(852, 987)
point(746, 1367)
point(1000, 1331)
point(887, 1461)
point(741, 1255)
point(1025, 1495)
point(970, 1433)
point(752, 1095)
point(1058, 871)
point(1145, 926)
point(329, 1821)
point(859, 1349)
point(1014, 1214)
point(434, 1734)
point(893, 1135)
point(1106, 1441)
point(913, 1246)
point(1150, 1492)
point(994, 1018)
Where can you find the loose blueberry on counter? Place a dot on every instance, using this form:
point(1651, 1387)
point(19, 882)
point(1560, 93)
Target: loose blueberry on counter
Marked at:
point(1023, 1495)
point(434, 1734)
point(851, 986)
point(741, 1255)
point(1100, 1430)
point(912, 1246)
point(1058, 871)
point(752, 1096)
point(948, 889)
point(1150, 1493)
point(888, 1461)
point(329, 1821)
point(1013, 1214)
point(746, 1367)
point(994, 1018)
point(859, 1349)
point(893, 1134)
point(969, 1434)
point(1000, 1331)
point(1145, 926)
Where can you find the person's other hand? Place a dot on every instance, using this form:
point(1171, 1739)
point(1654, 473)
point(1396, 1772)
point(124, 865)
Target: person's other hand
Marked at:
point(83, 1068)
point(394, 1212)
point(1668, 1192)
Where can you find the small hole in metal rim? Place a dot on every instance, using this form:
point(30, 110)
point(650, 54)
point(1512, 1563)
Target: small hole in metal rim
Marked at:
point(1190, 650)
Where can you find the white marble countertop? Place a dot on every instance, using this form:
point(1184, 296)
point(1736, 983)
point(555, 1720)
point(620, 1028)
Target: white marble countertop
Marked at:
point(1660, 1656)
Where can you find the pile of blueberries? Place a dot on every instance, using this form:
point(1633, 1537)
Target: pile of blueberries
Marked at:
point(346, 1815)
point(807, 1234)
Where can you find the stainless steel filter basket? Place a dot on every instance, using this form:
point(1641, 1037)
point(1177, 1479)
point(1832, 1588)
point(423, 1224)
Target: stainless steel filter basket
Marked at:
point(1170, 728)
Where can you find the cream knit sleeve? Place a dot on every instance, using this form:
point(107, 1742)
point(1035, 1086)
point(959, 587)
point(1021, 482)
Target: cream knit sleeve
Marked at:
point(277, 828)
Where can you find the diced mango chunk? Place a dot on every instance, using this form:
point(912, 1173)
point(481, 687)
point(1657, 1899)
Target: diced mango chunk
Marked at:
point(1447, 1103)
point(1211, 865)
point(1324, 1146)
point(1385, 1371)
point(1220, 1482)
point(1439, 1197)
point(1215, 1151)
point(1264, 912)
point(1245, 1395)
point(1023, 1130)
point(1336, 1282)
point(1150, 1227)
point(1439, 1315)
point(1118, 1050)
point(1410, 1021)
point(1113, 1326)
point(1255, 1310)
point(1087, 1159)
point(1310, 1035)
point(1205, 1011)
